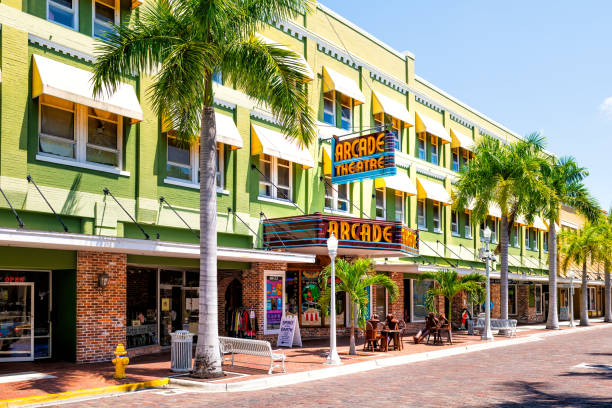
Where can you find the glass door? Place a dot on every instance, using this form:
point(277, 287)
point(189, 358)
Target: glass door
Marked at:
point(274, 301)
point(16, 321)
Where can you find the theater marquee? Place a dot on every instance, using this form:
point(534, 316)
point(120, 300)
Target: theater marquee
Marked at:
point(356, 236)
point(363, 157)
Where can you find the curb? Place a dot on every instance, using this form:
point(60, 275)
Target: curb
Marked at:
point(306, 376)
point(122, 388)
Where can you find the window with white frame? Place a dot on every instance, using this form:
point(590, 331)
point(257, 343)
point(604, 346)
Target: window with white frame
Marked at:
point(494, 230)
point(64, 12)
point(435, 157)
point(592, 300)
point(380, 204)
point(456, 159)
point(396, 129)
point(336, 196)
point(105, 14)
point(534, 239)
point(545, 242)
point(436, 216)
point(183, 162)
point(80, 133)
point(277, 181)
point(454, 223)
point(538, 299)
point(421, 214)
point(220, 176)
point(422, 146)
point(515, 235)
point(512, 299)
point(329, 107)
point(468, 225)
point(399, 206)
point(347, 112)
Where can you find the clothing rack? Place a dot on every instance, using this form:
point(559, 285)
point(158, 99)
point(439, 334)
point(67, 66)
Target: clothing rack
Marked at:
point(241, 322)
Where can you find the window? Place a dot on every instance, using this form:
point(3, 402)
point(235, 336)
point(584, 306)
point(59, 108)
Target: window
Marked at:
point(179, 162)
point(336, 196)
point(380, 204)
point(347, 112)
point(105, 14)
point(435, 159)
point(436, 216)
point(493, 231)
point(99, 142)
point(422, 152)
point(329, 108)
point(515, 235)
point(277, 172)
point(217, 77)
point(534, 239)
point(468, 225)
point(419, 294)
point(545, 242)
point(454, 223)
point(397, 133)
point(538, 299)
point(512, 299)
point(380, 307)
point(456, 159)
point(220, 166)
point(592, 300)
point(421, 217)
point(63, 12)
point(399, 206)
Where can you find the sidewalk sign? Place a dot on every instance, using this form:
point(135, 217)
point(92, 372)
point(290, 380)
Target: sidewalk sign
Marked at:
point(289, 334)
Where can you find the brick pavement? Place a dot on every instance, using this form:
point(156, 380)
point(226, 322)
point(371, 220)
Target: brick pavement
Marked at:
point(540, 373)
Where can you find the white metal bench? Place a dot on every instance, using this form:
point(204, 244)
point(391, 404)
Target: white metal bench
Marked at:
point(498, 324)
point(260, 348)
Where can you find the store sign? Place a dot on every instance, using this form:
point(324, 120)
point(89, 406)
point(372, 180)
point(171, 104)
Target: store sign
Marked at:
point(357, 236)
point(11, 279)
point(363, 157)
point(289, 333)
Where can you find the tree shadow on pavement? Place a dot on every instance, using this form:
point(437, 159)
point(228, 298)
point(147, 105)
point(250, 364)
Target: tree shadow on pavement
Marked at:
point(531, 394)
point(599, 354)
point(602, 372)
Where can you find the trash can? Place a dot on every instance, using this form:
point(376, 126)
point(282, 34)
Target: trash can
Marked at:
point(181, 352)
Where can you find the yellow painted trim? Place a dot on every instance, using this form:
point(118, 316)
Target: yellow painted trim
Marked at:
point(256, 146)
point(39, 399)
point(37, 87)
point(327, 167)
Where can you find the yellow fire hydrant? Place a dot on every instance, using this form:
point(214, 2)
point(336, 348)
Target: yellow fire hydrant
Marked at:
point(120, 361)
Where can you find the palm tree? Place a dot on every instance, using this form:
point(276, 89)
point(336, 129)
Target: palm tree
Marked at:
point(184, 42)
point(564, 179)
point(448, 283)
point(507, 175)
point(581, 246)
point(354, 278)
point(604, 230)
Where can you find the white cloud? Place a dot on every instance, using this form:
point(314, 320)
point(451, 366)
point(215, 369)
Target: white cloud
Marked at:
point(606, 107)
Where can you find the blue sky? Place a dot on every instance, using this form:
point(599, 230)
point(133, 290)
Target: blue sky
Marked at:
point(531, 65)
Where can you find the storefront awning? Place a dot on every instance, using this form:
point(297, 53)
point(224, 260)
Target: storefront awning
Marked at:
point(431, 126)
point(547, 222)
point(458, 139)
point(333, 81)
point(273, 143)
point(384, 104)
point(309, 74)
point(327, 159)
point(63, 81)
point(520, 219)
point(494, 210)
point(399, 182)
point(327, 131)
point(433, 191)
point(539, 224)
point(227, 132)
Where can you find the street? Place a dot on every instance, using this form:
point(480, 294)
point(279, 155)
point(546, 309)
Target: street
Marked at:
point(562, 370)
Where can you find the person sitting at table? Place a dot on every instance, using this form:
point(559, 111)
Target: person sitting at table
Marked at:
point(391, 322)
point(430, 323)
point(442, 321)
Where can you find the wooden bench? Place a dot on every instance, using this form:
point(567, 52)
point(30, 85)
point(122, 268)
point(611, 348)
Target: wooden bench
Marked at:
point(259, 348)
point(498, 324)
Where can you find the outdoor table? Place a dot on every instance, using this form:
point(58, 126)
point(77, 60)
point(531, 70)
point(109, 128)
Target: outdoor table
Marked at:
point(387, 334)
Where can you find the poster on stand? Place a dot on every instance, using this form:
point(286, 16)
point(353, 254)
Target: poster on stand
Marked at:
point(289, 334)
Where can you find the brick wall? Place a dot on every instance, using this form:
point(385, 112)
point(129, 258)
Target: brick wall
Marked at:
point(100, 315)
point(495, 298)
point(397, 307)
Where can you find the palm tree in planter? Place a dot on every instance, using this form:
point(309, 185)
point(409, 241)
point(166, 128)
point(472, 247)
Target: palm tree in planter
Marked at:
point(507, 175)
point(353, 278)
point(581, 246)
point(564, 179)
point(448, 283)
point(184, 43)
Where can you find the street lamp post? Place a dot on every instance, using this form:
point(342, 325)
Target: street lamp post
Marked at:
point(571, 296)
point(332, 357)
point(487, 257)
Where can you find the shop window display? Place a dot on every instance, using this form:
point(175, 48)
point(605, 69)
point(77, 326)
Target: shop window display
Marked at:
point(141, 321)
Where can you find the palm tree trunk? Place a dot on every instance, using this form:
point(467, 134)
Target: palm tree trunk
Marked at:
point(504, 267)
point(353, 348)
point(207, 358)
point(553, 318)
point(584, 314)
point(608, 313)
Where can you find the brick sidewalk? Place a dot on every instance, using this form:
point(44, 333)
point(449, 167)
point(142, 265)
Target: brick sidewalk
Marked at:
point(71, 376)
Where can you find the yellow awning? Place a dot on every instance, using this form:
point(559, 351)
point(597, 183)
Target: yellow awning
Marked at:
point(327, 159)
point(494, 210)
point(384, 104)
point(458, 139)
point(273, 143)
point(309, 74)
point(433, 191)
point(333, 81)
point(400, 182)
point(63, 81)
point(539, 224)
point(227, 132)
point(431, 126)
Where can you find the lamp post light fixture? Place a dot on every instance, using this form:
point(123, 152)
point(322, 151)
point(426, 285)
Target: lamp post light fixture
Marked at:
point(571, 296)
point(487, 257)
point(333, 358)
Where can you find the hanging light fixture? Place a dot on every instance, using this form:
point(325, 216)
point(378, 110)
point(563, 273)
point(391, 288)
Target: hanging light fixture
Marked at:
point(103, 279)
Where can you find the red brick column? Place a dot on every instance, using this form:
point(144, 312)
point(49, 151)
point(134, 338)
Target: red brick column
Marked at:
point(100, 316)
point(397, 307)
point(496, 299)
